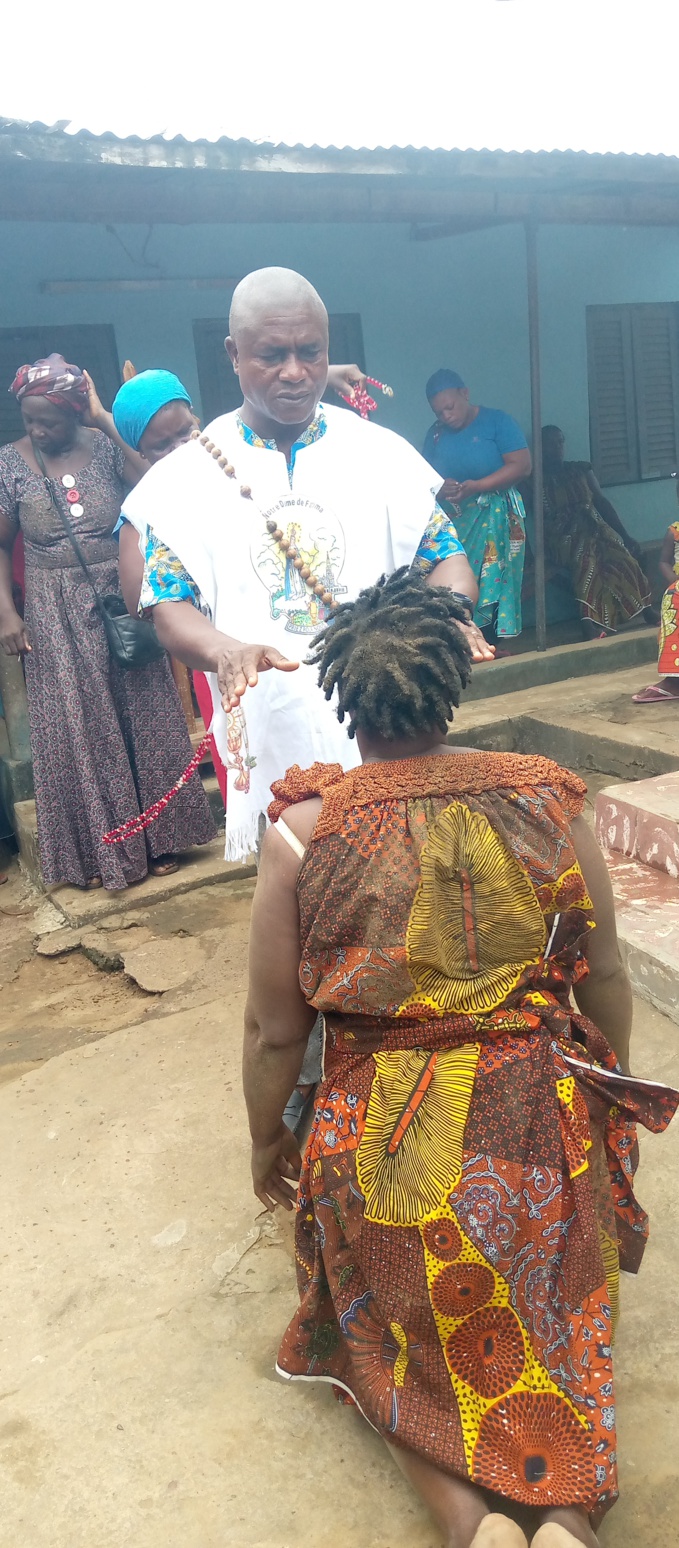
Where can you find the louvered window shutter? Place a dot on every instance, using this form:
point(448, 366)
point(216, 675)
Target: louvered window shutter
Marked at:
point(656, 380)
point(612, 407)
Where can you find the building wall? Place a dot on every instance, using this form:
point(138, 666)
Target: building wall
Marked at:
point(458, 301)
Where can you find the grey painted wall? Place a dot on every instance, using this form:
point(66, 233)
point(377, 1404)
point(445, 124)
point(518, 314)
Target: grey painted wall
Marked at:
point(458, 301)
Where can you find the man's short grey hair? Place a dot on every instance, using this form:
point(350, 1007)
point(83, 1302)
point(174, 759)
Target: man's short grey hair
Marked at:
point(267, 288)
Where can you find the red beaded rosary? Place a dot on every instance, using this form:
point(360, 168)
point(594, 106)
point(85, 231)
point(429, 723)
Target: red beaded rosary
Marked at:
point(144, 819)
point(362, 401)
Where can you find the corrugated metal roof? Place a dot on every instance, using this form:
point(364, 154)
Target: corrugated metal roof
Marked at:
point(530, 75)
point(65, 132)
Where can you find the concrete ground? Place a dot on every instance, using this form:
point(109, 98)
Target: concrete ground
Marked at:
point(144, 1295)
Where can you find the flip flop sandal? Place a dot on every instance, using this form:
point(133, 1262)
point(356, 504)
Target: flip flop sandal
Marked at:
point(163, 866)
point(655, 694)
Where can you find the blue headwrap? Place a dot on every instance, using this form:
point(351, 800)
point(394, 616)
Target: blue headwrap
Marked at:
point(441, 381)
point(139, 399)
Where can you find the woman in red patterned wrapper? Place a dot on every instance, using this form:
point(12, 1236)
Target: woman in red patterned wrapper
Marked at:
point(667, 690)
point(465, 1200)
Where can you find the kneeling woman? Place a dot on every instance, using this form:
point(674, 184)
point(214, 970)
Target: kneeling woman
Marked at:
point(465, 1200)
point(481, 455)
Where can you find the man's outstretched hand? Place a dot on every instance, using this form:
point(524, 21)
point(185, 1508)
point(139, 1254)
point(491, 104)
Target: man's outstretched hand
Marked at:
point(238, 668)
point(478, 645)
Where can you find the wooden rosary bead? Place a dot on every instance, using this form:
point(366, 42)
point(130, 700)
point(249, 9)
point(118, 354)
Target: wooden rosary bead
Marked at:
point(315, 586)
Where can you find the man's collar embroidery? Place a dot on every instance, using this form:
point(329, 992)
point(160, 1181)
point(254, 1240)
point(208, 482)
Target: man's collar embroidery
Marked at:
point(313, 432)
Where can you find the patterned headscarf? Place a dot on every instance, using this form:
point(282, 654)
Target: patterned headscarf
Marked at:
point(52, 378)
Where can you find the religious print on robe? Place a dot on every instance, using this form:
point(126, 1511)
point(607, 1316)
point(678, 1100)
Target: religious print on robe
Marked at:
point(317, 535)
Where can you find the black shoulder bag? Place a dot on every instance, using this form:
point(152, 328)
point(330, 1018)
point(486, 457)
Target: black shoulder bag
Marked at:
point(132, 642)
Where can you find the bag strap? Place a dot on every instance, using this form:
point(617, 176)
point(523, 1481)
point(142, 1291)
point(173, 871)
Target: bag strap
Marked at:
point(49, 485)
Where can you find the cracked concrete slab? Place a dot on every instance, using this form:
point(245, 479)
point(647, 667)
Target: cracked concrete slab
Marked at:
point(159, 965)
point(145, 1296)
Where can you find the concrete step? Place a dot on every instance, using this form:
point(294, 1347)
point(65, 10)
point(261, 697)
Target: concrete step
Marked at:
point(214, 795)
point(534, 668)
point(641, 820)
point(647, 914)
point(26, 828)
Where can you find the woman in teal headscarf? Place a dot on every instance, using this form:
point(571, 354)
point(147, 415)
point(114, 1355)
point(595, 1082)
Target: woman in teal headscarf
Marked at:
point(481, 454)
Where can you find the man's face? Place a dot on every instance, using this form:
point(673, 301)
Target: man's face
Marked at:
point(451, 407)
point(281, 359)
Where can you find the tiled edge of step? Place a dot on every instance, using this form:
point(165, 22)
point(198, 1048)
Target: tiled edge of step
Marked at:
point(641, 821)
point(651, 978)
point(647, 915)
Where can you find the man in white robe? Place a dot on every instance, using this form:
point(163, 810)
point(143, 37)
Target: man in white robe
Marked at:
point(354, 500)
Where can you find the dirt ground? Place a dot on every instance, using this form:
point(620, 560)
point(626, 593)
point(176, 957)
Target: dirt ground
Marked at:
point(144, 1295)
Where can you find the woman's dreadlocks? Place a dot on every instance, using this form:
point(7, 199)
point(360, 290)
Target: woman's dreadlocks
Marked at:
point(396, 656)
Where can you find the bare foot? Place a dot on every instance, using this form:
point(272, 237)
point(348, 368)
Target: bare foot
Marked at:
point(497, 1531)
point(571, 1530)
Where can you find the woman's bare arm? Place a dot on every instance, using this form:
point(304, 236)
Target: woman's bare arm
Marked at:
point(13, 633)
point(130, 567)
point(100, 418)
point(605, 995)
point(278, 1019)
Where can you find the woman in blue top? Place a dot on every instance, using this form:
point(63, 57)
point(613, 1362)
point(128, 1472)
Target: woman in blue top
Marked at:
point(481, 453)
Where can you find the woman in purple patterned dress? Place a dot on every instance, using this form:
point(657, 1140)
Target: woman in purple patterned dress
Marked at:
point(106, 742)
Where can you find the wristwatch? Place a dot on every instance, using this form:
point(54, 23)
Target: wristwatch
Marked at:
point(465, 603)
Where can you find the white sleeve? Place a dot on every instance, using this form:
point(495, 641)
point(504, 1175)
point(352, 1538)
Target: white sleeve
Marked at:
point(412, 489)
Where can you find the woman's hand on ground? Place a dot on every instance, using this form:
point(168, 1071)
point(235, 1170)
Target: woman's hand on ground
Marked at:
point(13, 634)
point(272, 1165)
point(344, 378)
point(238, 668)
point(478, 645)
